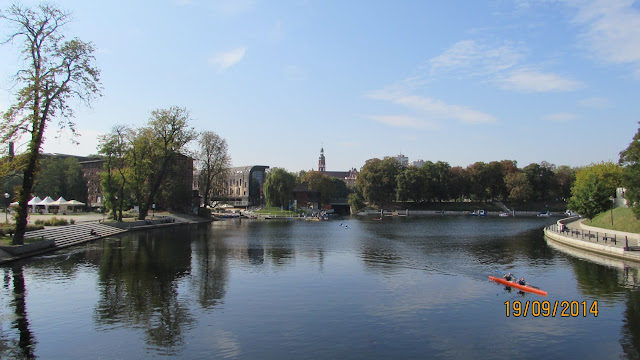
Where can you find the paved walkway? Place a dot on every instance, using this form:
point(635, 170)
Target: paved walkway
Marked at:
point(612, 243)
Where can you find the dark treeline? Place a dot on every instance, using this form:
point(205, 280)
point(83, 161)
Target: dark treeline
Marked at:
point(386, 180)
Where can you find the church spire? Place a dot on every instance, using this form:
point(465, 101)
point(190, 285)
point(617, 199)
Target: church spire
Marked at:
point(321, 163)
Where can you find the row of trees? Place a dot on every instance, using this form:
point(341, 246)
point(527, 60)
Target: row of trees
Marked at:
point(142, 165)
point(279, 185)
point(386, 180)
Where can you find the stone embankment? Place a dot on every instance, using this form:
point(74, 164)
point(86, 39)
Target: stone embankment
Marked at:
point(572, 232)
point(59, 237)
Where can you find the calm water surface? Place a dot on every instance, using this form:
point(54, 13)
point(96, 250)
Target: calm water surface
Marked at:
point(351, 288)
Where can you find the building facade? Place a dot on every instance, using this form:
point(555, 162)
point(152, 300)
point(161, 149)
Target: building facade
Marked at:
point(243, 186)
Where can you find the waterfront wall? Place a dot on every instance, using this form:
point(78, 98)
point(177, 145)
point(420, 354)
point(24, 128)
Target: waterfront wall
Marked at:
point(595, 241)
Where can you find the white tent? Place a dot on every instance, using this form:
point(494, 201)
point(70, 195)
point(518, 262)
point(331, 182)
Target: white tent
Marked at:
point(74, 203)
point(33, 202)
point(48, 200)
point(60, 204)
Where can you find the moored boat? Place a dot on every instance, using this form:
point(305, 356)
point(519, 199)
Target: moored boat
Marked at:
point(528, 288)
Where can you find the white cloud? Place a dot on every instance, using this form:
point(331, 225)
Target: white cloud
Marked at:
point(225, 60)
point(402, 121)
point(612, 30)
point(529, 80)
point(476, 58)
point(595, 103)
point(560, 117)
point(432, 108)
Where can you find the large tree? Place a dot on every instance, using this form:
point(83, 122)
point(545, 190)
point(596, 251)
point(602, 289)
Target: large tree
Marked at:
point(55, 71)
point(213, 163)
point(593, 188)
point(278, 187)
point(377, 180)
point(115, 147)
point(320, 182)
point(630, 159)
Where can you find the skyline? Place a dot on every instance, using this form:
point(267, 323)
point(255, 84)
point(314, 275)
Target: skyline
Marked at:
point(459, 82)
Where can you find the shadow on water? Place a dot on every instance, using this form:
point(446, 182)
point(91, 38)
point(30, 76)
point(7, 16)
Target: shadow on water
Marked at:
point(24, 347)
point(608, 278)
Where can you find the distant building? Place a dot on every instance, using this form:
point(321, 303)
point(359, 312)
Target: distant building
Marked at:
point(243, 186)
point(182, 164)
point(91, 170)
point(402, 160)
point(417, 163)
point(349, 177)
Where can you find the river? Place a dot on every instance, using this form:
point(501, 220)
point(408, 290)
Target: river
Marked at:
point(353, 288)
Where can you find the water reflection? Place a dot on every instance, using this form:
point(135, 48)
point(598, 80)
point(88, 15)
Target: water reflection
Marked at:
point(314, 290)
point(139, 286)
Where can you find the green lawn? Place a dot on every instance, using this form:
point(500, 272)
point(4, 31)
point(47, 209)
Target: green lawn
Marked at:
point(623, 220)
point(275, 211)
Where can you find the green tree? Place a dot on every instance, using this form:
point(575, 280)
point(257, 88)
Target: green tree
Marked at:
point(168, 134)
point(61, 176)
point(377, 181)
point(411, 184)
point(356, 202)
point(278, 187)
point(320, 182)
point(594, 186)
point(565, 177)
point(213, 164)
point(518, 187)
point(115, 146)
point(478, 180)
point(458, 183)
point(55, 72)
point(630, 159)
point(542, 179)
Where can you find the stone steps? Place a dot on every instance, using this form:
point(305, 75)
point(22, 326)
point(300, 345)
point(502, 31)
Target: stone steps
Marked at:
point(74, 234)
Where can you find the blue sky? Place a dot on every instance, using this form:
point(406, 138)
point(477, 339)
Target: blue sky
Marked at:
point(456, 81)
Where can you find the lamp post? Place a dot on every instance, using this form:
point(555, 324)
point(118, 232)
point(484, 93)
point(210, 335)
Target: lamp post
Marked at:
point(6, 207)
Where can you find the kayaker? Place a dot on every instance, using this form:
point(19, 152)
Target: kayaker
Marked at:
point(508, 277)
point(522, 282)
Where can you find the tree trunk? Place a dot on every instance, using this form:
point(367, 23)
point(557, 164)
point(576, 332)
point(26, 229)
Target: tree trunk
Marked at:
point(23, 196)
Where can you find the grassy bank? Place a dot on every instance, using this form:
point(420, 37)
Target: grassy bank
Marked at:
point(623, 220)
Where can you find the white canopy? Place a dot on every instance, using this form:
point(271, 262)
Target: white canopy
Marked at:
point(60, 201)
point(34, 201)
point(14, 204)
point(75, 203)
point(47, 201)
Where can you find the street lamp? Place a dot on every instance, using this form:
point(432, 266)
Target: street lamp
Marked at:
point(6, 207)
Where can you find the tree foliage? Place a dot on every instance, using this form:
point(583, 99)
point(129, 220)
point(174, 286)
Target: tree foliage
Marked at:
point(320, 182)
point(377, 180)
point(630, 159)
point(278, 187)
point(55, 72)
point(213, 164)
point(593, 188)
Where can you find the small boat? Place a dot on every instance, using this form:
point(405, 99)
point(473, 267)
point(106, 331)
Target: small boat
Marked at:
point(479, 213)
point(504, 214)
point(528, 288)
point(544, 214)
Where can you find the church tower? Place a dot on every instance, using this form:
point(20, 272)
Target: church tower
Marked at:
point(321, 165)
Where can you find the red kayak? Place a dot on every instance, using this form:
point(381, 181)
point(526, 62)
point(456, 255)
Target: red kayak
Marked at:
point(516, 285)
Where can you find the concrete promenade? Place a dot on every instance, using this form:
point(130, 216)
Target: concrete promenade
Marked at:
point(572, 232)
point(88, 227)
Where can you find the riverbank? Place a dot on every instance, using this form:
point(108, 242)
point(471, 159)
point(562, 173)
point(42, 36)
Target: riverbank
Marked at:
point(88, 228)
point(572, 232)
